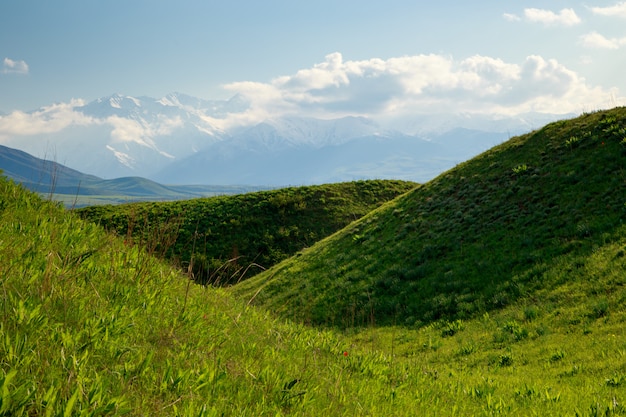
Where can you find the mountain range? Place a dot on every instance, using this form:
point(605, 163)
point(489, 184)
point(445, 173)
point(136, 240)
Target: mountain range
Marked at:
point(180, 139)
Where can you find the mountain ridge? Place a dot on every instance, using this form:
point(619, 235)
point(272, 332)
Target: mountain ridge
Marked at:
point(59, 182)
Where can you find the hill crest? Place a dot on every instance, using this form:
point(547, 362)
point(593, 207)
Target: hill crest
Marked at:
point(476, 238)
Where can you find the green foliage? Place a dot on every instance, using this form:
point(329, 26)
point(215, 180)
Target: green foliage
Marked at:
point(518, 331)
point(521, 168)
point(452, 328)
point(223, 240)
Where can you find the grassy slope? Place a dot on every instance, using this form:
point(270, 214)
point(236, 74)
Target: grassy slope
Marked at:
point(233, 237)
point(90, 326)
point(93, 327)
point(517, 220)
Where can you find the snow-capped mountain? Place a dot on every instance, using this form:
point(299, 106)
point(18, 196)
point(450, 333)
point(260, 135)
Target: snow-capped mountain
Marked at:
point(183, 139)
point(120, 135)
point(298, 151)
point(290, 132)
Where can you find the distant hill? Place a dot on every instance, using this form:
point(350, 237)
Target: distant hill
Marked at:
point(227, 239)
point(517, 219)
point(41, 175)
point(75, 188)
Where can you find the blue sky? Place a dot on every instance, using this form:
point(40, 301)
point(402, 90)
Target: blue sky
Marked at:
point(323, 58)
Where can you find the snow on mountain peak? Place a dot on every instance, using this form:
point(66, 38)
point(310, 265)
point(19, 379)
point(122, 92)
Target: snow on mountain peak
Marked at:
point(118, 101)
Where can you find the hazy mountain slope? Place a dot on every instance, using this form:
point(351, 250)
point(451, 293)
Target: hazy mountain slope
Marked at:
point(309, 151)
point(230, 238)
point(121, 136)
point(76, 189)
point(41, 175)
point(519, 218)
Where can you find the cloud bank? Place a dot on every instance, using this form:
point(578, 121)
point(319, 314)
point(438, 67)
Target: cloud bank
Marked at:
point(382, 89)
point(10, 66)
point(48, 119)
point(423, 84)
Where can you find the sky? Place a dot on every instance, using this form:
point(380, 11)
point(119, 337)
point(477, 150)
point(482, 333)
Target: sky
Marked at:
point(326, 58)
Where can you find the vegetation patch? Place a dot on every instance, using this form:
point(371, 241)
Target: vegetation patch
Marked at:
point(226, 239)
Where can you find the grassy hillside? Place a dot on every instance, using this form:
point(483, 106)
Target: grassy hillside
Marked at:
point(522, 218)
point(94, 326)
point(231, 238)
point(91, 326)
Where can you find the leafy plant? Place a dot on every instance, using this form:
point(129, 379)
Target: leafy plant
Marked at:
point(519, 169)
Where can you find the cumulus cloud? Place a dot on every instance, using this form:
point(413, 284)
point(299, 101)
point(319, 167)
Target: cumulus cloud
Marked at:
point(376, 88)
point(10, 66)
point(421, 84)
point(617, 10)
point(597, 41)
point(48, 119)
point(566, 17)
point(55, 118)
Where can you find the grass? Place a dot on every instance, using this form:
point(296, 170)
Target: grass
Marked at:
point(227, 239)
point(96, 326)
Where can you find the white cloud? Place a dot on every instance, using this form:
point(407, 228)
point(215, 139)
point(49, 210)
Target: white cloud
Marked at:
point(10, 66)
point(376, 88)
point(597, 41)
point(55, 118)
point(48, 119)
point(422, 84)
point(511, 17)
point(566, 17)
point(617, 10)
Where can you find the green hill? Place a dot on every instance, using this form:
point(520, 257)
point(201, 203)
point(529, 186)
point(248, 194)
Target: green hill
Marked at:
point(524, 217)
point(95, 326)
point(92, 326)
point(231, 238)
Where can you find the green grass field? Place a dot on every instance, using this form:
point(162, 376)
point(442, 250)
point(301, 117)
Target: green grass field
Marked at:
point(513, 307)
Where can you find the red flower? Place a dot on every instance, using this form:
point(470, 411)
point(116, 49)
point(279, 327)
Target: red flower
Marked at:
point(345, 353)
